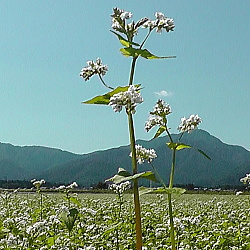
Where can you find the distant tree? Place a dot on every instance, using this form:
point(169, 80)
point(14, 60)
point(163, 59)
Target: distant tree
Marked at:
point(100, 185)
point(189, 186)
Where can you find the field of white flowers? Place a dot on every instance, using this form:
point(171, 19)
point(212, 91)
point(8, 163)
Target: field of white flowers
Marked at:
point(100, 221)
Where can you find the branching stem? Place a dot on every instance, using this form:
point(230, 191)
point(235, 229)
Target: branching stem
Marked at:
point(100, 77)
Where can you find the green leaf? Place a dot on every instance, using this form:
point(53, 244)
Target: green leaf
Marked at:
point(172, 145)
point(69, 218)
point(203, 153)
point(146, 175)
point(51, 241)
point(182, 146)
point(126, 176)
point(112, 228)
point(179, 146)
point(144, 190)
point(141, 52)
point(174, 190)
point(123, 172)
point(121, 176)
point(128, 52)
point(117, 179)
point(162, 190)
point(159, 131)
point(104, 99)
point(75, 200)
point(124, 41)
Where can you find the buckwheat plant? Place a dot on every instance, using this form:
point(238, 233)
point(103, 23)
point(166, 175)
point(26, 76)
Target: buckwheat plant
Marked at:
point(128, 96)
point(38, 185)
point(246, 180)
point(159, 118)
point(119, 189)
point(67, 191)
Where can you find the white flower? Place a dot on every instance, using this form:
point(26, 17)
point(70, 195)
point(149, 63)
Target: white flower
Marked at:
point(126, 15)
point(72, 185)
point(161, 109)
point(129, 99)
point(144, 154)
point(121, 14)
point(115, 25)
point(93, 68)
point(118, 19)
point(159, 15)
point(246, 179)
point(119, 23)
point(189, 124)
point(153, 121)
point(158, 115)
point(161, 22)
point(38, 227)
point(120, 188)
point(117, 12)
point(62, 187)
point(38, 184)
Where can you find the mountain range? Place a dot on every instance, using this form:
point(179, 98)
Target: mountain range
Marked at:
point(227, 165)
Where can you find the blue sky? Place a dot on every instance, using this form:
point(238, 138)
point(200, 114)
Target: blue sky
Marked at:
point(44, 45)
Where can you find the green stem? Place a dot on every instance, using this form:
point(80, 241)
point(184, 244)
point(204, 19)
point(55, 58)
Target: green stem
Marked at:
point(132, 72)
point(181, 136)
point(135, 187)
point(145, 38)
point(170, 209)
point(41, 206)
point(117, 239)
point(171, 219)
point(158, 175)
point(169, 135)
point(137, 207)
point(171, 180)
point(104, 82)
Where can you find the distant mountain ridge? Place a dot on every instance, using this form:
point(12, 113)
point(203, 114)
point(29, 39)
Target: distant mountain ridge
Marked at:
point(228, 164)
point(27, 161)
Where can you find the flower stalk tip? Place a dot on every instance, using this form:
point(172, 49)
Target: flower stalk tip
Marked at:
point(93, 68)
point(158, 115)
point(189, 124)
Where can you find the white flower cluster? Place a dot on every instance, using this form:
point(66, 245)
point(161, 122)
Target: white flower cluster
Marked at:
point(38, 227)
point(189, 124)
point(37, 184)
point(158, 115)
point(161, 109)
point(144, 154)
point(120, 188)
point(93, 68)
point(71, 186)
point(246, 179)
point(161, 22)
point(119, 18)
point(128, 98)
point(153, 121)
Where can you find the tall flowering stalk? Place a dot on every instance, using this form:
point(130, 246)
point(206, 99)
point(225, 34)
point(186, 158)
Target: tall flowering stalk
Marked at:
point(38, 185)
point(119, 189)
point(158, 117)
point(246, 180)
point(129, 96)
